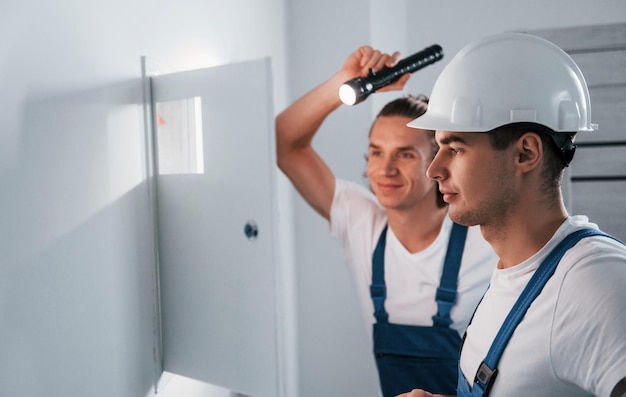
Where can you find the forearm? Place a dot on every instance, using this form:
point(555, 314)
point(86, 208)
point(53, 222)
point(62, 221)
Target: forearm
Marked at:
point(297, 124)
point(295, 128)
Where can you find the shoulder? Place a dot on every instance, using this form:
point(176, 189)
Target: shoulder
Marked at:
point(590, 316)
point(355, 207)
point(592, 271)
point(591, 278)
point(348, 188)
point(595, 254)
point(352, 197)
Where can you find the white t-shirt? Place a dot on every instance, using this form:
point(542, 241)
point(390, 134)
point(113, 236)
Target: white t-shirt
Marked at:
point(357, 221)
point(572, 340)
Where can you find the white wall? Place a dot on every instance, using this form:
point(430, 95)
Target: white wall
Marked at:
point(335, 356)
point(76, 265)
point(76, 250)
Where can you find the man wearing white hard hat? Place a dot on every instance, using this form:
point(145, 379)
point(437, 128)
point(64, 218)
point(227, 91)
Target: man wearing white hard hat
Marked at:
point(506, 111)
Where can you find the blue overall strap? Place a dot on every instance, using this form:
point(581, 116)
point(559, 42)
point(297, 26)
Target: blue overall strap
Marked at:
point(378, 291)
point(446, 293)
point(487, 370)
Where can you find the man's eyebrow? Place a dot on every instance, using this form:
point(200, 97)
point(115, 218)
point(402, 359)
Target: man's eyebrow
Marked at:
point(406, 148)
point(451, 138)
point(398, 149)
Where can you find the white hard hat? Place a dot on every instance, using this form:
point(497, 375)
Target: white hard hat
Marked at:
point(506, 79)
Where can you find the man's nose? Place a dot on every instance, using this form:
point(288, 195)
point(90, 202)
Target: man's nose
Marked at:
point(435, 170)
point(390, 165)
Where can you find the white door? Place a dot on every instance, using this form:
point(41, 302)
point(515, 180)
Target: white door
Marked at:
point(216, 226)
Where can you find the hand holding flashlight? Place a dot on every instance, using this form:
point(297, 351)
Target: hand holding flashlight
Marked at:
point(358, 89)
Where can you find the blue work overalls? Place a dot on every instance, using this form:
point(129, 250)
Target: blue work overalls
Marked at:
point(408, 356)
point(487, 371)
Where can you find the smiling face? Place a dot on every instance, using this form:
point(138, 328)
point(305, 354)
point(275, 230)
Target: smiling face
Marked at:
point(476, 180)
point(398, 157)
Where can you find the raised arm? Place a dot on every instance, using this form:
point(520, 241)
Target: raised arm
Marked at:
point(297, 125)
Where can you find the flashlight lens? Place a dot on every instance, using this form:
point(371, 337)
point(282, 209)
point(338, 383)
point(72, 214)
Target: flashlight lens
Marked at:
point(347, 94)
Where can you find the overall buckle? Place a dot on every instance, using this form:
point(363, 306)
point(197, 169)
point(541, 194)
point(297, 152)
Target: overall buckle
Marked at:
point(485, 376)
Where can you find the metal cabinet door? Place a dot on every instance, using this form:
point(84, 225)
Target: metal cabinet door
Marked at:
point(217, 279)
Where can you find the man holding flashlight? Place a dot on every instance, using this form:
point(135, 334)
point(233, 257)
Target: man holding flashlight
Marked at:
point(506, 110)
point(419, 276)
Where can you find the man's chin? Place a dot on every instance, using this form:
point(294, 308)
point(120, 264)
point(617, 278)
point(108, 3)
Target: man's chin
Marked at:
point(460, 218)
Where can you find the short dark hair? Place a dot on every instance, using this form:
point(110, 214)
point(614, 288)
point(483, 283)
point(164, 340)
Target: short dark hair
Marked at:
point(413, 107)
point(503, 137)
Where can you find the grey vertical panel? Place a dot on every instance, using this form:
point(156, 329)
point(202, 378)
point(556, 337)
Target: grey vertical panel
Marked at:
point(218, 288)
point(598, 171)
point(585, 38)
point(602, 202)
point(608, 105)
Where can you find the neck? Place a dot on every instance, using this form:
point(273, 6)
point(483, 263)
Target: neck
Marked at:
point(520, 235)
point(416, 229)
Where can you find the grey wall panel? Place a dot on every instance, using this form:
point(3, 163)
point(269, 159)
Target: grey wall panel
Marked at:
point(586, 37)
point(608, 109)
point(598, 171)
point(603, 203)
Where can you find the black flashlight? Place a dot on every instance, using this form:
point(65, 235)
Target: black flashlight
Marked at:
point(356, 90)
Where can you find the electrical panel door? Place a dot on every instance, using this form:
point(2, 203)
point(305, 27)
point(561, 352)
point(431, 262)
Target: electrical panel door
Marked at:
point(215, 211)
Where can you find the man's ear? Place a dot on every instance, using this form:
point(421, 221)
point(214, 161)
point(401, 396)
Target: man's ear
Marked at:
point(529, 151)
